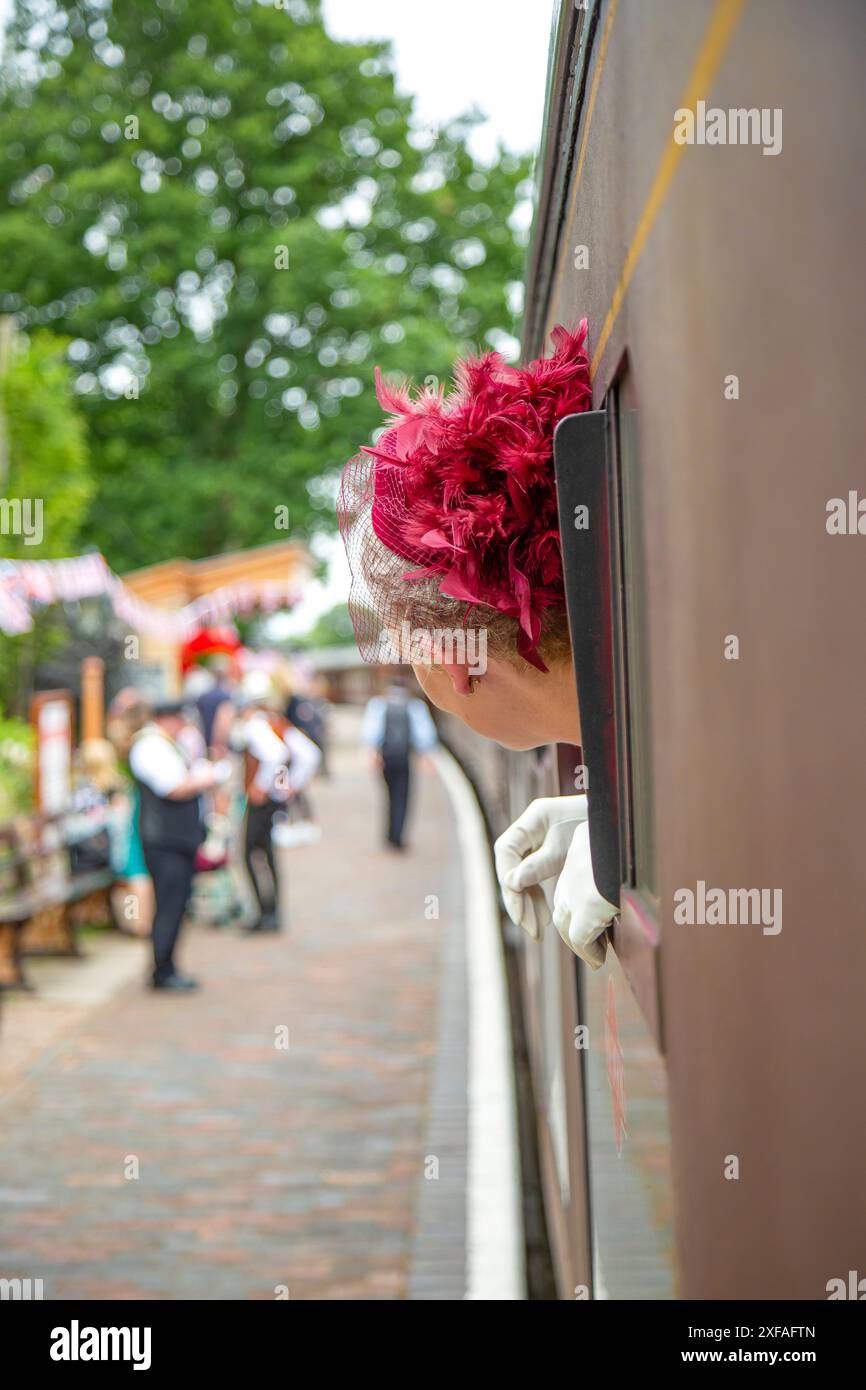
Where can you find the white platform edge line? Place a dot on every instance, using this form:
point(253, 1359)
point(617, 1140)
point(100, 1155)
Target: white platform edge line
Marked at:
point(495, 1249)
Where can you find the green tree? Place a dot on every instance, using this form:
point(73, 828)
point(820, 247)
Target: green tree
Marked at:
point(47, 466)
point(45, 482)
point(232, 217)
point(16, 767)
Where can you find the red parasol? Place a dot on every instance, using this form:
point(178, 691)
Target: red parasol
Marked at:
point(209, 641)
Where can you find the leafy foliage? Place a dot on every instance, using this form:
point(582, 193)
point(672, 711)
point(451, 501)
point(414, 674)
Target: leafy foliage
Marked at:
point(48, 470)
point(48, 459)
point(17, 751)
point(159, 164)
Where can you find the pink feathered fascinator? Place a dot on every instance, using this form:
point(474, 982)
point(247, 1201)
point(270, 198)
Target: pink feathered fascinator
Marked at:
point(461, 487)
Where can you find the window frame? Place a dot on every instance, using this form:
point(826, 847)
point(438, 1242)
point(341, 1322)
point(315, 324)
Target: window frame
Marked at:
point(601, 567)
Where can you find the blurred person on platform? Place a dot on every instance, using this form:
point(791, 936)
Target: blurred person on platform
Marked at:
point(278, 763)
point(323, 706)
point(215, 706)
point(395, 726)
point(132, 895)
point(127, 714)
point(303, 712)
point(106, 792)
point(197, 681)
point(190, 736)
point(93, 805)
point(170, 785)
point(308, 711)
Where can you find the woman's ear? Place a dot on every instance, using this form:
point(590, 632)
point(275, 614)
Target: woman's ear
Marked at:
point(459, 675)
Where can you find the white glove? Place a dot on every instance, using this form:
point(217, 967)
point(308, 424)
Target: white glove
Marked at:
point(551, 839)
point(533, 850)
point(580, 913)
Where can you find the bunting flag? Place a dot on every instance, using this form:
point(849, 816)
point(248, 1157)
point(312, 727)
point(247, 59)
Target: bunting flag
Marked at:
point(31, 584)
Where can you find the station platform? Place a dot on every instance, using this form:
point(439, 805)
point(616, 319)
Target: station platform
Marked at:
point(330, 1117)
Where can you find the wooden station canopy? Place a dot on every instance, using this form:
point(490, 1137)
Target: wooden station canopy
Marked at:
point(268, 570)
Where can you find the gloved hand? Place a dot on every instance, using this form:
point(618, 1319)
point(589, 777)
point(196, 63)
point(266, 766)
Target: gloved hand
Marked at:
point(533, 850)
point(551, 839)
point(580, 913)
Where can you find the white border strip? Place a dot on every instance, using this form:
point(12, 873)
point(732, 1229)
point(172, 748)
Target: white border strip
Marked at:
point(495, 1266)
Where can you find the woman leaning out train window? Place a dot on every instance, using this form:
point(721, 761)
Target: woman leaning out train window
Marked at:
point(451, 529)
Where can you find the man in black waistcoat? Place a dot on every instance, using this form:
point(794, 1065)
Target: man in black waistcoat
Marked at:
point(171, 828)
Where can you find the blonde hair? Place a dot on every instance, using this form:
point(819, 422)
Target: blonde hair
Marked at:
point(98, 762)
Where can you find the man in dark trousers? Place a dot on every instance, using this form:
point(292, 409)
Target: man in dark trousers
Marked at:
point(171, 828)
point(396, 726)
point(278, 763)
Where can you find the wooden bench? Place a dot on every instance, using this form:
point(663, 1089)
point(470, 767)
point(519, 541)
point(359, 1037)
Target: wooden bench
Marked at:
point(42, 902)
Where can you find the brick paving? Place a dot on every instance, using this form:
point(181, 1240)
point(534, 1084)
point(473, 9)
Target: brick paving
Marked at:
point(259, 1168)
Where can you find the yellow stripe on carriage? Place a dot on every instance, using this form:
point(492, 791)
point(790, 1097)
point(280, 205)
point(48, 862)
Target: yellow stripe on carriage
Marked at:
point(718, 35)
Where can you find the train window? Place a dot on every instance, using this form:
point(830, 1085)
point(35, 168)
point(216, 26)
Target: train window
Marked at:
point(631, 664)
point(599, 486)
point(623, 1072)
point(581, 460)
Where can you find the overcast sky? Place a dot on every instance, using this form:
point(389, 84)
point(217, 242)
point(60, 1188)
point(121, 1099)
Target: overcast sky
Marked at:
point(452, 55)
point(456, 54)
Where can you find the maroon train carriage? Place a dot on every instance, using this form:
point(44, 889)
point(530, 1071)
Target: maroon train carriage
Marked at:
point(698, 1101)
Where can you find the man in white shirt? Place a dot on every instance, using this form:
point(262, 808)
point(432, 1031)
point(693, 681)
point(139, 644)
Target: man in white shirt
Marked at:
point(278, 762)
point(170, 786)
point(395, 726)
